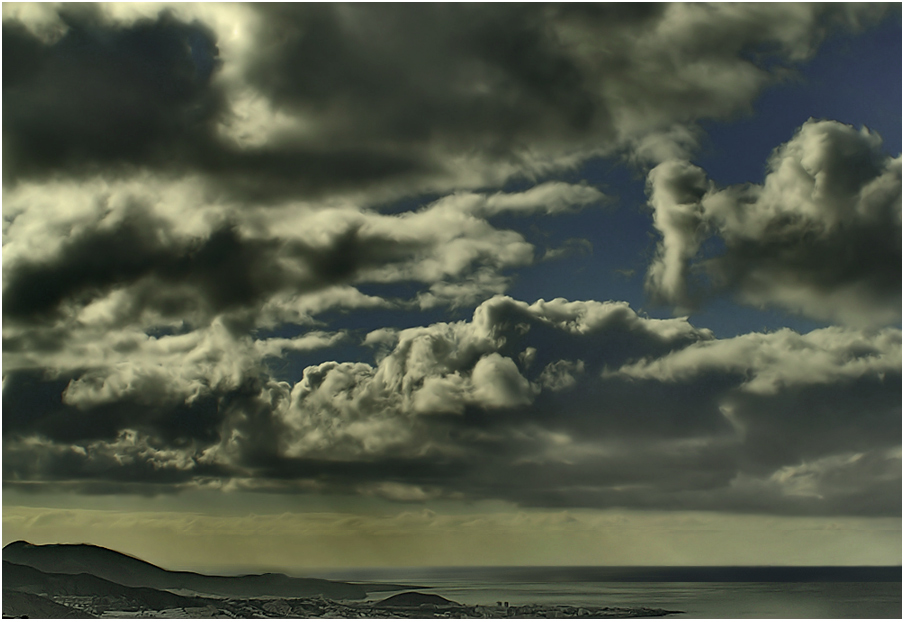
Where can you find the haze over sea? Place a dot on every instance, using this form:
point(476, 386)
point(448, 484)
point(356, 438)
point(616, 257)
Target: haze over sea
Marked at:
point(699, 592)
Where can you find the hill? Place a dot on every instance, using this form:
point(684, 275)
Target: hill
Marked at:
point(25, 579)
point(415, 599)
point(125, 570)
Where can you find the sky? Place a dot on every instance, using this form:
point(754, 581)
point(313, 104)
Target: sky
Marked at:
point(308, 286)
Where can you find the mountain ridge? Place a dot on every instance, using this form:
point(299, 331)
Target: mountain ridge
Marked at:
point(131, 571)
point(29, 580)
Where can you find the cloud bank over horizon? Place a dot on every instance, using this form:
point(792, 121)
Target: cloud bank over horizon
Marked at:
point(553, 404)
point(273, 248)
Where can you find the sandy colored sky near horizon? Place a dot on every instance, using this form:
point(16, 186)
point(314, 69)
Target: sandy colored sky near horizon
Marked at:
point(485, 534)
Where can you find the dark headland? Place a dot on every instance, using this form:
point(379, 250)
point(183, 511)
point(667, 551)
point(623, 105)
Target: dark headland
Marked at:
point(87, 581)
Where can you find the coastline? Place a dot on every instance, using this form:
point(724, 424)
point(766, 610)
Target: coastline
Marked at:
point(318, 607)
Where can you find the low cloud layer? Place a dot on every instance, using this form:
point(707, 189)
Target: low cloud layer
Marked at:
point(822, 236)
point(553, 404)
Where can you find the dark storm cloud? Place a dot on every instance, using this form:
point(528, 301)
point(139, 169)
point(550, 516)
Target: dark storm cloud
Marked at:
point(794, 423)
point(35, 405)
point(821, 236)
point(555, 404)
point(313, 98)
point(103, 96)
point(494, 75)
point(107, 98)
point(146, 443)
point(520, 82)
point(359, 61)
point(279, 172)
point(128, 248)
point(725, 436)
point(131, 463)
point(848, 485)
point(183, 278)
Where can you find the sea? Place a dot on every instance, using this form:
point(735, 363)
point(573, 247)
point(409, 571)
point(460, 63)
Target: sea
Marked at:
point(698, 592)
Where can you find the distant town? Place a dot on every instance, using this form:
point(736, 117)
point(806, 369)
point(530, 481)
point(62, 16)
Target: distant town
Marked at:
point(319, 607)
point(86, 581)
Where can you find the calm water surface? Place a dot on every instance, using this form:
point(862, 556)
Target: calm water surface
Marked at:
point(698, 599)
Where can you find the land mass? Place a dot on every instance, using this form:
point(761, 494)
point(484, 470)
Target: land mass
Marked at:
point(133, 572)
point(87, 581)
